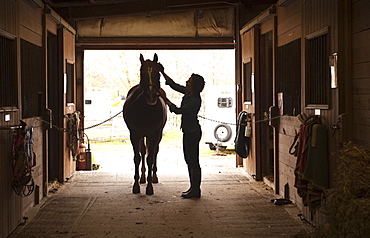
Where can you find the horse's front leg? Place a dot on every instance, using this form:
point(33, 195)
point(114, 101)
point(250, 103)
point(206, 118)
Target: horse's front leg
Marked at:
point(142, 152)
point(155, 177)
point(137, 158)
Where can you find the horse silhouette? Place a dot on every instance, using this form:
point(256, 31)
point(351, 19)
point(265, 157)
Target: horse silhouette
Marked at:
point(145, 114)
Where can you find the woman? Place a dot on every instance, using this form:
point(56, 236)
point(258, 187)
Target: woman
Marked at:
point(190, 105)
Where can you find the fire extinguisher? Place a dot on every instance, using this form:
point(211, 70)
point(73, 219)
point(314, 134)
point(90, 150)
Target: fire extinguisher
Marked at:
point(248, 130)
point(81, 160)
point(243, 134)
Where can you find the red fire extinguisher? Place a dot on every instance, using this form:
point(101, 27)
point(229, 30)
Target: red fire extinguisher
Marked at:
point(81, 158)
point(248, 130)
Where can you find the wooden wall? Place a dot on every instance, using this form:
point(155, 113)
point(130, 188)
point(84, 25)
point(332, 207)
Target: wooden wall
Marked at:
point(303, 20)
point(9, 202)
point(289, 28)
point(30, 23)
point(248, 45)
point(361, 70)
point(69, 56)
point(30, 29)
point(25, 20)
point(8, 16)
point(260, 102)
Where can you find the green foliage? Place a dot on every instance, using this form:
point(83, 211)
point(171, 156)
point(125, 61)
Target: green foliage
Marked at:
point(112, 142)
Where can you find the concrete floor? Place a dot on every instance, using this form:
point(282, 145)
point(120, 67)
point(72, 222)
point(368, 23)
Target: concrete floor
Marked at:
point(100, 204)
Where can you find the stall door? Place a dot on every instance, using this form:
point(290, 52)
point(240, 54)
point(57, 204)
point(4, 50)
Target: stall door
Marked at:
point(264, 100)
point(55, 139)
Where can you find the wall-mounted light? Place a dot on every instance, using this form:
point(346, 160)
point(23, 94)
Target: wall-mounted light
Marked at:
point(252, 82)
point(333, 62)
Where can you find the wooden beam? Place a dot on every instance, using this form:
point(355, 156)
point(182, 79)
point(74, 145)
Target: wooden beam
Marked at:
point(82, 10)
point(155, 43)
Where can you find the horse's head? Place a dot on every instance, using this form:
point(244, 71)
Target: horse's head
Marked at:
point(149, 79)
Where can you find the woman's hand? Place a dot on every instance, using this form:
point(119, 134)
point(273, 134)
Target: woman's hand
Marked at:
point(159, 67)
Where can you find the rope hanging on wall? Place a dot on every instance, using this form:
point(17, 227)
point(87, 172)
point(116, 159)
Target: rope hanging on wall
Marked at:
point(23, 159)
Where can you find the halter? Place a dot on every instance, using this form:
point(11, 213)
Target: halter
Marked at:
point(149, 71)
point(144, 89)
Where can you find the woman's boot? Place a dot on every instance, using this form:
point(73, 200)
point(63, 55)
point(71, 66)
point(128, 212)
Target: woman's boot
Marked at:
point(195, 184)
point(190, 179)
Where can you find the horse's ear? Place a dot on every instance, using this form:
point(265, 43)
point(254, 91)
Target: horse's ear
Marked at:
point(142, 58)
point(155, 59)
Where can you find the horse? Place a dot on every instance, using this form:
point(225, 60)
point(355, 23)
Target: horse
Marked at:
point(145, 114)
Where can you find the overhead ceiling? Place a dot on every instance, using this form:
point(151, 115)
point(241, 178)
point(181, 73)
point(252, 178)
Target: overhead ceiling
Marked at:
point(155, 23)
point(72, 10)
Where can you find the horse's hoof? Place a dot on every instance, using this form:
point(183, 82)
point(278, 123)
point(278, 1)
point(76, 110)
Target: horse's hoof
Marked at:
point(149, 191)
point(155, 179)
point(142, 180)
point(135, 189)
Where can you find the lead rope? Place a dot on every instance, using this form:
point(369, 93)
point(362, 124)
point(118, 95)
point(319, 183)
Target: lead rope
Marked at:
point(203, 117)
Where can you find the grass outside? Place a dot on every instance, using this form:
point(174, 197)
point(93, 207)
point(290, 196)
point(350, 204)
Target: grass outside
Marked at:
point(171, 138)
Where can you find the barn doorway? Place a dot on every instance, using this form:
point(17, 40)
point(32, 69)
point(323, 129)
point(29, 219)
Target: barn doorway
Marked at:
point(109, 74)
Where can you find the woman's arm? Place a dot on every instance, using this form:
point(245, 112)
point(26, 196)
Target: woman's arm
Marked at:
point(177, 87)
point(162, 93)
point(170, 82)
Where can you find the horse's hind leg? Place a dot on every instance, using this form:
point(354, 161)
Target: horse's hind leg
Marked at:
point(143, 170)
point(142, 152)
point(149, 186)
point(136, 187)
point(151, 160)
point(155, 177)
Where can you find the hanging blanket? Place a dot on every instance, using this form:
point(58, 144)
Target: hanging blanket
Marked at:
point(312, 163)
point(316, 171)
